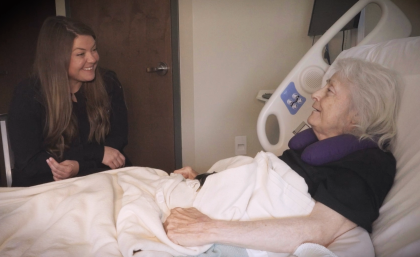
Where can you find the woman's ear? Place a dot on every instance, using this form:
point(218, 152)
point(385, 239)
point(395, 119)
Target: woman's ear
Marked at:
point(353, 114)
point(354, 118)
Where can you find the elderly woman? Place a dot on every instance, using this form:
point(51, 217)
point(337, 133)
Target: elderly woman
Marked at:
point(360, 99)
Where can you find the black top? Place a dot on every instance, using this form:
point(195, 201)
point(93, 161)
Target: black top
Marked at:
point(354, 186)
point(26, 122)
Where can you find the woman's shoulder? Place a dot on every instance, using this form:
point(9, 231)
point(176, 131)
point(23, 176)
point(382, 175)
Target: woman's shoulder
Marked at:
point(107, 74)
point(27, 99)
point(374, 156)
point(371, 161)
point(110, 80)
point(28, 89)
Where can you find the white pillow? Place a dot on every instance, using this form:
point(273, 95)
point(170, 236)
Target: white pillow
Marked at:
point(401, 55)
point(397, 230)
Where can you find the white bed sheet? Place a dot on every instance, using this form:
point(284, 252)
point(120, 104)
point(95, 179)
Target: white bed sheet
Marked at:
point(74, 217)
point(78, 217)
point(263, 187)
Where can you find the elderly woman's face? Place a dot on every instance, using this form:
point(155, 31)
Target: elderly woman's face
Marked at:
point(332, 115)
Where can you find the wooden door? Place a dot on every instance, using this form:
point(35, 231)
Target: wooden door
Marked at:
point(131, 36)
point(20, 21)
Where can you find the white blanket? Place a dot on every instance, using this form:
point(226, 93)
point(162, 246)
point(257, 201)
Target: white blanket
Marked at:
point(73, 217)
point(249, 189)
point(78, 217)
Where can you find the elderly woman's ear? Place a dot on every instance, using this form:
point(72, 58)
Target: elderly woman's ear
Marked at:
point(354, 118)
point(351, 124)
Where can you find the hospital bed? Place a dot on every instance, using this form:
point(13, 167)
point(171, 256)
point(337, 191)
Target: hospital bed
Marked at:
point(79, 216)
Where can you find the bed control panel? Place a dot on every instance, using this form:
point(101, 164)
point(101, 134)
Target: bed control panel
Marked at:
point(292, 99)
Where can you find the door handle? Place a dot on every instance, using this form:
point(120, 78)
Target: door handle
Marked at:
point(161, 69)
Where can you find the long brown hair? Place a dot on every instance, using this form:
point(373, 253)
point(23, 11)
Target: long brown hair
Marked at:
point(53, 53)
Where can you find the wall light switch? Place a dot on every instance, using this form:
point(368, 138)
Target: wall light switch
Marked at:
point(240, 145)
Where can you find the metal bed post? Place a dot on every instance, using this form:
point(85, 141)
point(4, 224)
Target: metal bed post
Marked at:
point(6, 149)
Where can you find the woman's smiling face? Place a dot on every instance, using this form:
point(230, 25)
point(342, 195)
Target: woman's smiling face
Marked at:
point(83, 61)
point(333, 114)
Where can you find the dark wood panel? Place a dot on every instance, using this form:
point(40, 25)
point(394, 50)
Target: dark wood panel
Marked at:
point(20, 22)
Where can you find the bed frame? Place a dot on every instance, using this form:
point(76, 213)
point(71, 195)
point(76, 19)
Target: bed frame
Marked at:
point(306, 77)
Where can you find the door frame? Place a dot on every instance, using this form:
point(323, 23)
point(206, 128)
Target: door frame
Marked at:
point(176, 82)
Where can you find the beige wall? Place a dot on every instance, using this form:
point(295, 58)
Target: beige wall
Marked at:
point(229, 51)
point(411, 8)
point(187, 82)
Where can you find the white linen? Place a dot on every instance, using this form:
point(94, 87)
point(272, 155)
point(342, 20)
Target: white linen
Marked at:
point(401, 55)
point(265, 188)
point(74, 217)
point(313, 250)
point(261, 189)
point(77, 217)
point(146, 204)
point(356, 242)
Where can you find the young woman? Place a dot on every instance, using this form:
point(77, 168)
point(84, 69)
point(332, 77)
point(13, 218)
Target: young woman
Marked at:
point(69, 119)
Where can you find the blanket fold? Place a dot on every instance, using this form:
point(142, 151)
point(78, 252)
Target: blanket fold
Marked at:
point(247, 189)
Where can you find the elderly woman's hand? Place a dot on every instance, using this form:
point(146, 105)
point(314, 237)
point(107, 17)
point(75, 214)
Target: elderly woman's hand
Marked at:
point(188, 227)
point(187, 172)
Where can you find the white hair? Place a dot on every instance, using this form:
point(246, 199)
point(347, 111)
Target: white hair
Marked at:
point(376, 93)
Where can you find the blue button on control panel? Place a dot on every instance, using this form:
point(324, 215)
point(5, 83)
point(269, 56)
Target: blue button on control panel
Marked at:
point(292, 99)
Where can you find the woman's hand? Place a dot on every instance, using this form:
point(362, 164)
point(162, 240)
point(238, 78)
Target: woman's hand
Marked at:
point(63, 170)
point(187, 172)
point(188, 227)
point(113, 158)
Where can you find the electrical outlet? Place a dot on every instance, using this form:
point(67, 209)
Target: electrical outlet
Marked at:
point(240, 145)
